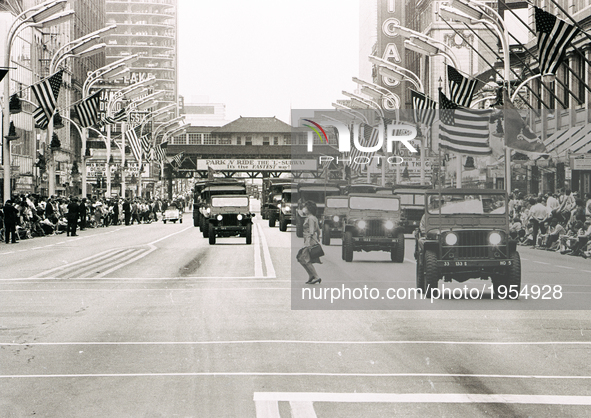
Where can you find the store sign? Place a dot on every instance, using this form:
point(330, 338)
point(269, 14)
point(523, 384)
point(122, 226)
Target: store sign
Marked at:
point(98, 169)
point(390, 47)
point(580, 163)
point(414, 164)
point(257, 165)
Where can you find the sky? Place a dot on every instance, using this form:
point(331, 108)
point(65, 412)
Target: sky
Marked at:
point(264, 57)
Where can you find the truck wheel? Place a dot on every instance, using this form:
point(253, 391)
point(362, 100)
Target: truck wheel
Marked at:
point(431, 273)
point(205, 230)
point(211, 235)
point(348, 247)
point(326, 234)
point(181, 220)
point(299, 227)
point(283, 225)
point(249, 234)
point(164, 220)
point(195, 222)
point(343, 250)
point(420, 279)
point(397, 252)
point(272, 220)
point(511, 278)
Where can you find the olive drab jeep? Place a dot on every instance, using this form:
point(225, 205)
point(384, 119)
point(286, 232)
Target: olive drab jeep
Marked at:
point(230, 217)
point(216, 188)
point(335, 214)
point(466, 236)
point(372, 224)
point(287, 207)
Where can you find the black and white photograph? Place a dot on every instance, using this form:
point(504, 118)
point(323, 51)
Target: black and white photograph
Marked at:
point(295, 208)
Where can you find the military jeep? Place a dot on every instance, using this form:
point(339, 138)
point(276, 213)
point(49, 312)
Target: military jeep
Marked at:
point(287, 206)
point(466, 236)
point(373, 225)
point(230, 217)
point(317, 193)
point(335, 213)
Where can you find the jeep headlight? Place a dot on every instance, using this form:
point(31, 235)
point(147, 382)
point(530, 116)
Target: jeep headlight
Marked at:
point(240, 217)
point(495, 238)
point(220, 217)
point(361, 224)
point(335, 218)
point(207, 210)
point(279, 205)
point(287, 208)
point(389, 224)
point(451, 239)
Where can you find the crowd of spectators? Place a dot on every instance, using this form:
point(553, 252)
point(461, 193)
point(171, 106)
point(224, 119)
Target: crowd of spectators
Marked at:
point(29, 216)
point(558, 222)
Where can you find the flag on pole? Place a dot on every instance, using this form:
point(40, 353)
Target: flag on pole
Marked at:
point(146, 146)
point(178, 159)
point(462, 130)
point(369, 138)
point(40, 117)
point(210, 173)
point(120, 116)
point(553, 36)
point(518, 136)
point(88, 110)
point(132, 136)
point(47, 91)
point(160, 152)
point(424, 108)
point(461, 88)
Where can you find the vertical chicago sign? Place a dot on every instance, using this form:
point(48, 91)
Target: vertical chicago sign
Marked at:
point(390, 47)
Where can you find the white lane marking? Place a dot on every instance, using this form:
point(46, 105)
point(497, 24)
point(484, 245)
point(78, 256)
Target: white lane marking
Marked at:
point(88, 268)
point(524, 259)
point(422, 398)
point(106, 343)
point(97, 256)
point(168, 236)
point(143, 289)
point(410, 260)
point(125, 263)
point(301, 409)
point(587, 271)
point(250, 374)
point(267, 409)
point(139, 279)
point(268, 263)
point(258, 261)
point(565, 267)
point(541, 262)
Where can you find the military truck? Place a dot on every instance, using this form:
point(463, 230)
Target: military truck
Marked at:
point(287, 207)
point(216, 188)
point(373, 225)
point(333, 220)
point(270, 198)
point(466, 236)
point(315, 192)
point(412, 202)
point(230, 216)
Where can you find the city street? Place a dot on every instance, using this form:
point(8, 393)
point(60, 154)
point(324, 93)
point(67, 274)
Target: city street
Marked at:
point(152, 321)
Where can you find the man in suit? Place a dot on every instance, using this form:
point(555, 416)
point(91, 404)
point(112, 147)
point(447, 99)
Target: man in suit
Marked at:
point(10, 220)
point(127, 211)
point(73, 215)
point(83, 211)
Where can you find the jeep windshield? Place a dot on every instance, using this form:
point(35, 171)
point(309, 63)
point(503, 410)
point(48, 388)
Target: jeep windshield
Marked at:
point(286, 197)
point(336, 203)
point(373, 203)
point(229, 201)
point(316, 196)
point(472, 204)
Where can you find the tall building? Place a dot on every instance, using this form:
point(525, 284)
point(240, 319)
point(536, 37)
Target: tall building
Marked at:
point(146, 28)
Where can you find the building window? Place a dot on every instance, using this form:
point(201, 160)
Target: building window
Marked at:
point(225, 141)
point(248, 140)
point(266, 140)
point(276, 140)
point(208, 140)
point(194, 139)
point(287, 140)
point(179, 140)
point(238, 140)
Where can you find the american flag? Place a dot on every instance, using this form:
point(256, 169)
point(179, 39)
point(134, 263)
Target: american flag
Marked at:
point(463, 130)
point(88, 110)
point(47, 91)
point(160, 151)
point(424, 108)
point(461, 88)
point(40, 117)
point(369, 139)
point(132, 136)
point(178, 159)
point(553, 36)
point(146, 146)
point(120, 116)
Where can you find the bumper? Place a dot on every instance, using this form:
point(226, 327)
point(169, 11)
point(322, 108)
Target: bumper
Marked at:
point(229, 231)
point(472, 264)
point(374, 243)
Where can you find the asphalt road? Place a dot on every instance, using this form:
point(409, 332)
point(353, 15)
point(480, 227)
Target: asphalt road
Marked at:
point(152, 321)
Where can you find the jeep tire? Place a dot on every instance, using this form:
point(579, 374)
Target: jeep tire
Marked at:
point(164, 220)
point(249, 234)
point(205, 229)
point(211, 234)
point(397, 251)
point(431, 273)
point(348, 247)
point(325, 234)
point(195, 222)
point(272, 220)
point(512, 277)
point(420, 279)
point(283, 225)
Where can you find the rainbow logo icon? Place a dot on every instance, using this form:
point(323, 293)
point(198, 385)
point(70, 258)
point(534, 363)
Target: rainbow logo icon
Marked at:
point(322, 138)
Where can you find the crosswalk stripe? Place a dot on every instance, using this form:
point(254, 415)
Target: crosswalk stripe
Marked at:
point(267, 409)
point(88, 270)
point(302, 409)
point(82, 261)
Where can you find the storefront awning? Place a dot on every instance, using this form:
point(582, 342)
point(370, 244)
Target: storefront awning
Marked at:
point(575, 140)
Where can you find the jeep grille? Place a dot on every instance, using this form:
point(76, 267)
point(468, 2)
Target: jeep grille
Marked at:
point(471, 244)
point(375, 228)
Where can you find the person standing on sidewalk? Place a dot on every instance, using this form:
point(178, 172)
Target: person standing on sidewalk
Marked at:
point(10, 219)
point(72, 216)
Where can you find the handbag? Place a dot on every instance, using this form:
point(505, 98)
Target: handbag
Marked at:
point(316, 251)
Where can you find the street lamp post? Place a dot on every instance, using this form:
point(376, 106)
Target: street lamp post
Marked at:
point(34, 15)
